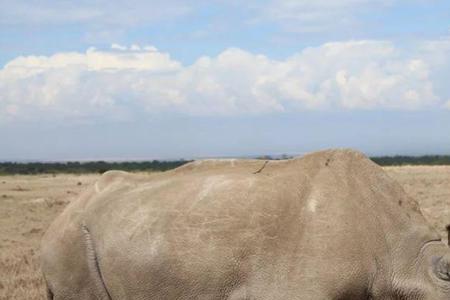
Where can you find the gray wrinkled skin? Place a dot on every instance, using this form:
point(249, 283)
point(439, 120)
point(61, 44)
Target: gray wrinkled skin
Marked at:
point(330, 225)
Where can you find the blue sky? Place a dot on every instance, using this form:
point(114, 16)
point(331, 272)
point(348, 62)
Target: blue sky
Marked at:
point(176, 79)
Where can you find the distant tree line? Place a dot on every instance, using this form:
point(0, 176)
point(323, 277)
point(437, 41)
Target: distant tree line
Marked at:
point(10, 168)
point(400, 160)
point(397, 160)
point(30, 168)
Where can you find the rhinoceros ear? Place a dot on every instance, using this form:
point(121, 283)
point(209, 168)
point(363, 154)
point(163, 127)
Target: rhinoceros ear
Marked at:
point(442, 267)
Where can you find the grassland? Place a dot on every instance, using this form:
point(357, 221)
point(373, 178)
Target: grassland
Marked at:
point(29, 203)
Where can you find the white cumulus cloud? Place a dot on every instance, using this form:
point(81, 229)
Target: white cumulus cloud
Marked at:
point(124, 82)
point(94, 60)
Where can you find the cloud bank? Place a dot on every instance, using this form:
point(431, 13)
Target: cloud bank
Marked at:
point(123, 82)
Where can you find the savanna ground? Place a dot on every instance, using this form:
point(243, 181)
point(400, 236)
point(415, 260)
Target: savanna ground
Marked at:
point(28, 204)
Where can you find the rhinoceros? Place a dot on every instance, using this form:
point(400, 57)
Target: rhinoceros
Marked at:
point(329, 225)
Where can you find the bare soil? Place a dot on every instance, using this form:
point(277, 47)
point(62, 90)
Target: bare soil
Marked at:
point(28, 204)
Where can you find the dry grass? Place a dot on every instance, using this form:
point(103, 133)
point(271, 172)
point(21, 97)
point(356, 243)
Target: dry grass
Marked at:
point(430, 186)
point(28, 204)
point(21, 278)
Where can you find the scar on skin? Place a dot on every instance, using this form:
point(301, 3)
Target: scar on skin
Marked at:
point(262, 168)
point(312, 205)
